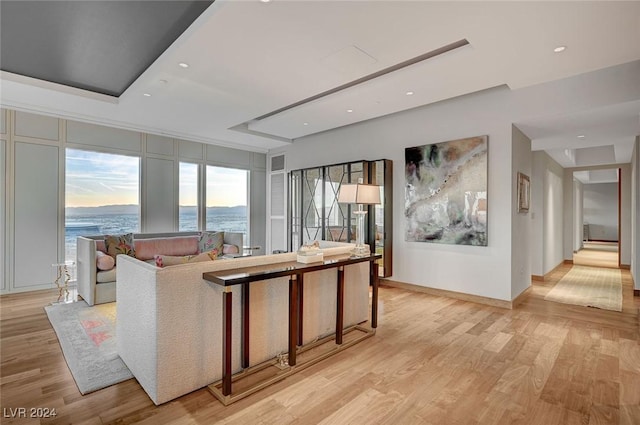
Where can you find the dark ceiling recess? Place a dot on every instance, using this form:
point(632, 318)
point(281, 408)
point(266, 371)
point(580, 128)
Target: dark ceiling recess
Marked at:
point(100, 46)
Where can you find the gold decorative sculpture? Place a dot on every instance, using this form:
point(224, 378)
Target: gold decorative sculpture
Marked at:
point(62, 280)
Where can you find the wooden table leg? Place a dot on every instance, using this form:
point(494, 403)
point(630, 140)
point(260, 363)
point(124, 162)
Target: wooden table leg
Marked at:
point(300, 306)
point(245, 325)
point(373, 277)
point(226, 341)
point(340, 306)
point(293, 318)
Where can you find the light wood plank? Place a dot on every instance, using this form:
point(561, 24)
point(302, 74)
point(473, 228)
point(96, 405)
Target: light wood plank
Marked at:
point(433, 360)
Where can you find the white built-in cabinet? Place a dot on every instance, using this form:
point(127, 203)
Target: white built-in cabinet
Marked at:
point(36, 210)
point(3, 203)
point(277, 204)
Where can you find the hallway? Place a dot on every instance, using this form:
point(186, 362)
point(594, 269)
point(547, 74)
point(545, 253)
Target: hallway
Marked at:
point(597, 254)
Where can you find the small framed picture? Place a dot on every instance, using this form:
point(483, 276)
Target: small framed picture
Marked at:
point(524, 193)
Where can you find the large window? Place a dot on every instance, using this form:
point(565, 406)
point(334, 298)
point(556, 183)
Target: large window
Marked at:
point(102, 195)
point(227, 199)
point(188, 197)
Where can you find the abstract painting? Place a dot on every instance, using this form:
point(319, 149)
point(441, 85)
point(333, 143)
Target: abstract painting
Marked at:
point(446, 192)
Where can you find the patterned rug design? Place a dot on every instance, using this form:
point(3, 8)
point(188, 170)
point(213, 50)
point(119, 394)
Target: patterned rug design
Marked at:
point(88, 340)
point(589, 287)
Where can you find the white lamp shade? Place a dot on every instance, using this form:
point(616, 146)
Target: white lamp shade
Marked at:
point(359, 194)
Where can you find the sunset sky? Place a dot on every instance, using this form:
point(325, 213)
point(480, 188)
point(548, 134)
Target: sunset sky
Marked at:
point(95, 179)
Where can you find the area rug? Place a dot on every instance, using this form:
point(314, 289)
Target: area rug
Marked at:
point(589, 287)
point(87, 336)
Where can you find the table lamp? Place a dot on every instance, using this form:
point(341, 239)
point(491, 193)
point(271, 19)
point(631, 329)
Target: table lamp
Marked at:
point(360, 194)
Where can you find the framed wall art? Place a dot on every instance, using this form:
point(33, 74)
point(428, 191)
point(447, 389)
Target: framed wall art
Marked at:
point(446, 192)
point(524, 193)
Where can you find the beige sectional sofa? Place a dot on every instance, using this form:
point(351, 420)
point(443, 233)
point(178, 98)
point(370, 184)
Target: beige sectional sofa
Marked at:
point(97, 287)
point(170, 320)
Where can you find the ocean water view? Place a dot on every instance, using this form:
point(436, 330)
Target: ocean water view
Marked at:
point(113, 220)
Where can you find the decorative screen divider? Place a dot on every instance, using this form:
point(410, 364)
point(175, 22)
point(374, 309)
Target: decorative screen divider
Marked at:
point(315, 214)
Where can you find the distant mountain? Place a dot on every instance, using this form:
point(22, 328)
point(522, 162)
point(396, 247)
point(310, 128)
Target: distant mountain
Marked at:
point(240, 210)
point(103, 210)
point(237, 210)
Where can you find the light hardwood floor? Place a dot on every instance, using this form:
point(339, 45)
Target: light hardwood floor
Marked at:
point(434, 360)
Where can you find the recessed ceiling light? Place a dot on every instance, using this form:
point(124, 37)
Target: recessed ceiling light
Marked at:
point(582, 136)
point(183, 65)
point(349, 110)
point(147, 95)
point(409, 93)
point(305, 123)
point(163, 81)
point(265, 1)
point(560, 49)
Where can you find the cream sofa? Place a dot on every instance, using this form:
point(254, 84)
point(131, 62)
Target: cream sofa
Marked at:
point(97, 287)
point(169, 323)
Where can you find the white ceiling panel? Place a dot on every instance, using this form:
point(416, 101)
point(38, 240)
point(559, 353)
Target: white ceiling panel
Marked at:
point(248, 58)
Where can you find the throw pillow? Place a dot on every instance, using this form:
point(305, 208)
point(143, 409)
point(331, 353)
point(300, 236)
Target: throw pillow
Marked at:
point(104, 262)
point(211, 241)
point(170, 260)
point(230, 249)
point(120, 244)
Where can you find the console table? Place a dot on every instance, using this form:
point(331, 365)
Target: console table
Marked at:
point(295, 271)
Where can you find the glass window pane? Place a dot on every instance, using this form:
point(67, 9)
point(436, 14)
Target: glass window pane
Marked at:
point(311, 205)
point(101, 195)
point(188, 218)
point(227, 199)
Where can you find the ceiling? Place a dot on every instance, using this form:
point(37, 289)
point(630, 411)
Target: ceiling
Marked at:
point(597, 176)
point(98, 46)
point(248, 59)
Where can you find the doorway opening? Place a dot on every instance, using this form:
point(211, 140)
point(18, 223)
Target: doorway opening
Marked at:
point(597, 209)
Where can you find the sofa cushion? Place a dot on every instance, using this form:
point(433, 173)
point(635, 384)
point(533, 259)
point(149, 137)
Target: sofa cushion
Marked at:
point(106, 276)
point(170, 260)
point(146, 249)
point(104, 261)
point(120, 244)
point(100, 246)
point(211, 241)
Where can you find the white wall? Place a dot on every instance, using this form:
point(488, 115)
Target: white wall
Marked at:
point(578, 209)
point(536, 211)
point(476, 270)
point(635, 226)
point(521, 223)
point(547, 214)
point(484, 271)
point(625, 215)
point(36, 199)
point(601, 211)
point(553, 225)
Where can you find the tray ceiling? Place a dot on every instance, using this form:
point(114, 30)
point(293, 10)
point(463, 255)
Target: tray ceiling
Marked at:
point(99, 46)
point(256, 70)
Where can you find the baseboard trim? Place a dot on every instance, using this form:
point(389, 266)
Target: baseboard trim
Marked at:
point(625, 266)
point(449, 294)
point(602, 240)
point(636, 292)
point(538, 278)
point(518, 300)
